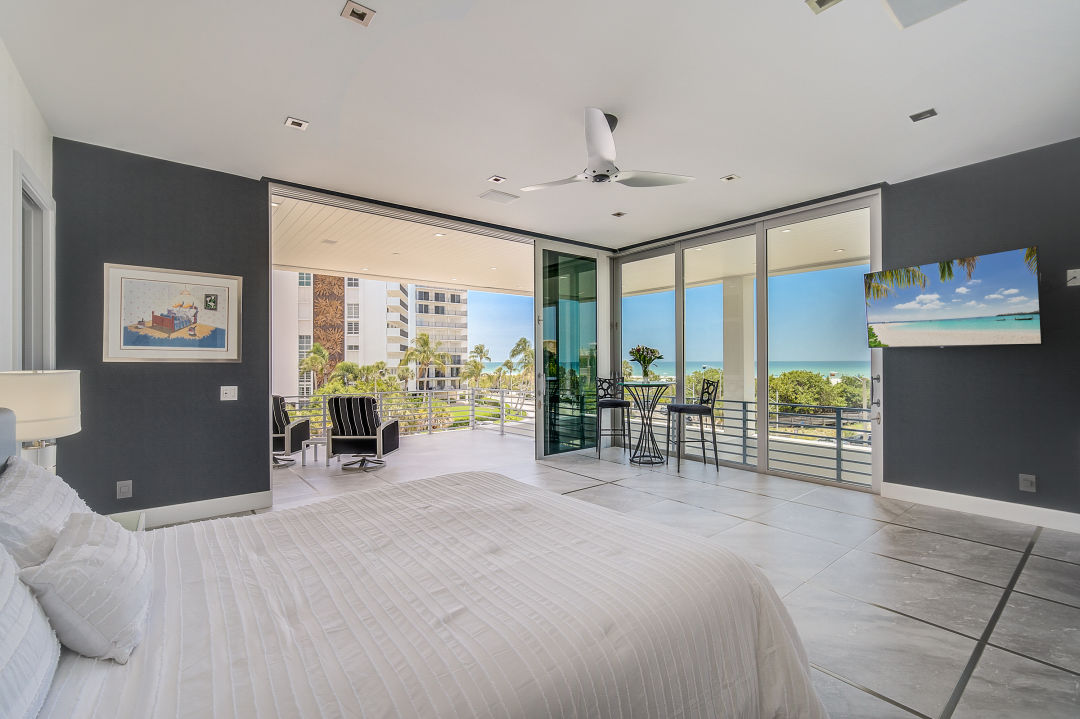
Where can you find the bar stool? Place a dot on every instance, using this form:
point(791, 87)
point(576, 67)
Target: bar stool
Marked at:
point(702, 408)
point(609, 395)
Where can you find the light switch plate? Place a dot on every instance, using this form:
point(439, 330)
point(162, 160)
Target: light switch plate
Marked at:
point(1027, 482)
point(123, 489)
point(1072, 278)
point(228, 393)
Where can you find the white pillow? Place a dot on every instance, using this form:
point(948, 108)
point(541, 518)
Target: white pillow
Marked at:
point(29, 651)
point(34, 504)
point(95, 587)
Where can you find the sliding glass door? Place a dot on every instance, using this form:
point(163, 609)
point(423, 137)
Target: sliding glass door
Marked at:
point(774, 311)
point(567, 351)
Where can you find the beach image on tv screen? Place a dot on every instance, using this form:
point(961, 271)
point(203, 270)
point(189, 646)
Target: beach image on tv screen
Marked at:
point(984, 300)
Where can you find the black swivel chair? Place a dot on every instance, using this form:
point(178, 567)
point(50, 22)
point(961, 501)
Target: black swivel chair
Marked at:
point(702, 408)
point(355, 429)
point(609, 395)
point(286, 436)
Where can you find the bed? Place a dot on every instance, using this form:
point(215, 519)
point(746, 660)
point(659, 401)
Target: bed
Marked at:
point(465, 595)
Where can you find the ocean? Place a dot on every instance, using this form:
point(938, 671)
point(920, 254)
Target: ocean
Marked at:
point(666, 368)
point(992, 323)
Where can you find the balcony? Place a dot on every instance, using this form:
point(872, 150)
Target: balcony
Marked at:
point(398, 292)
point(397, 318)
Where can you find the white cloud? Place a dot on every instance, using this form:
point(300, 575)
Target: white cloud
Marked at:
point(957, 299)
point(973, 303)
point(962, 290)
point(1014, 300)
point(994, 297)
point(922, 302)
point(974, 282)
point(1009, 292)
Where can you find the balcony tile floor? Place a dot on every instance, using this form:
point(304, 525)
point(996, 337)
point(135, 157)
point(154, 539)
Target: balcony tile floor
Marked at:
point(905, 610)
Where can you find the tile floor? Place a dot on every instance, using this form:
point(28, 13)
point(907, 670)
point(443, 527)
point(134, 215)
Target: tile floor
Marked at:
point(905, 610)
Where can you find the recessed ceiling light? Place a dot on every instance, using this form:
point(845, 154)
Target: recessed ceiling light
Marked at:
point(453, 279)
point(494, 268)
point(819, 6)
point(786, 229)
point(363, 269)
point(839, 249)
point(924, 115)
point(618, 214)
point(496, 179)
point(729, 178)
point(275, 204)
point(329, 242)
point(357, 13)
point(504, 198)
point(296, 123)
point(440, 234)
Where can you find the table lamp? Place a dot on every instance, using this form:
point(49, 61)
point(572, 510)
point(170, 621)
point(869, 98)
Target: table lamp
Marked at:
point(45, 403)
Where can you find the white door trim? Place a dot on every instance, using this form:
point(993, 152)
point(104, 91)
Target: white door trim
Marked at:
point(25, 180)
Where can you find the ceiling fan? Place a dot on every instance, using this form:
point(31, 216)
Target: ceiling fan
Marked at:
point(600, 146)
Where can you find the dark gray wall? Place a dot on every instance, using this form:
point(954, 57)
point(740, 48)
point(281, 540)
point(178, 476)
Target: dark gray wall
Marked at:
point(970, 419)
point(160, 424)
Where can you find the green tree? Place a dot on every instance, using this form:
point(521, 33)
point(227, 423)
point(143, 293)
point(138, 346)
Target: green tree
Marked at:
point(801, 386)
point(480, 353)
point(879, 285)
point(317, 361)
point(627, 369)
point(472, 371)
point(348, 372)
point(507, 368)
point(425, 353)
point(525, 357)
point(696, 378)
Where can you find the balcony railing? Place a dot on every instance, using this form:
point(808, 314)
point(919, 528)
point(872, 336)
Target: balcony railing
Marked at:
point(428, 411)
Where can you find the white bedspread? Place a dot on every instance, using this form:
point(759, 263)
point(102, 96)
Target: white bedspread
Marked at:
point(466, 595)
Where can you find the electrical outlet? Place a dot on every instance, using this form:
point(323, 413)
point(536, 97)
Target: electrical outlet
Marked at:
point(123, 489)
point(1072, 278)
point(228, 393)
point(1027, 482)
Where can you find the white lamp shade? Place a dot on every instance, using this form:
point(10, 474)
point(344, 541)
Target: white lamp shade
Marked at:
point(46, 403)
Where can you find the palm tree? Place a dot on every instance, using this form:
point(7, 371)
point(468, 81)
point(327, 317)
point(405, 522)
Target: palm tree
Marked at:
point(348, 372)
point(879, 285)
point(1031, 259)
point(627, 369)
point(523, 353)
point(472, 370)
point(480, 353)
point(508, 369)
point(316, 361)
point(425, 353)
point(945, 269)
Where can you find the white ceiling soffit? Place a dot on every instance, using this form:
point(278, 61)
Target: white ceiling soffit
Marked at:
point(330, 239)
point(437, 95)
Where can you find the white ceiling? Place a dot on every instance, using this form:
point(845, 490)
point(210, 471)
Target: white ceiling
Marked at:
point(436, 95)
point(312, 237)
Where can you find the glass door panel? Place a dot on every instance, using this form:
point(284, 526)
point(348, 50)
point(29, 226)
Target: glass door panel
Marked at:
point(720, 339)
point(819, 361)
point(568, 294)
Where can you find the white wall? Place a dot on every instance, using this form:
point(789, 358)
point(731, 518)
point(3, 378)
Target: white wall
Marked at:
point(284, 324)
point(23, 131)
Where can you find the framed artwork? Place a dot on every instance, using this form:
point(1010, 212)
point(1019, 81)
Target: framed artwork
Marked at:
point(157, 315)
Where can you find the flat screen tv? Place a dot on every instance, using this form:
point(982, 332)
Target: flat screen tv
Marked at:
point(985, 300)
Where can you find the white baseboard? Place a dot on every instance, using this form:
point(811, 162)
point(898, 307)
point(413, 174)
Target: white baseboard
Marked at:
point(1025, 513)
point(203, 509)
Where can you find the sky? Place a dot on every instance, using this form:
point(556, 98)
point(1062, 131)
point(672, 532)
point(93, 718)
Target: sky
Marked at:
point(498, 320)
point(1000, 284)
point(815, 316)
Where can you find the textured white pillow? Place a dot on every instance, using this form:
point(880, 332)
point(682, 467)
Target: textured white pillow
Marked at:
point(34, 504)
point(29, 651)
point(95, 587)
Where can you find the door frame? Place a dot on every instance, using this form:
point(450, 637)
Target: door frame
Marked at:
point(604, 325)
point(759, 227)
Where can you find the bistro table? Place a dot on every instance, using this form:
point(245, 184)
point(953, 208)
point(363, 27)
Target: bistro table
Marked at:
point(646, 395)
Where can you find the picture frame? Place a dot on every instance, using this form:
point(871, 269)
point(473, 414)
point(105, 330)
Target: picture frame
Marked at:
point(153, 314)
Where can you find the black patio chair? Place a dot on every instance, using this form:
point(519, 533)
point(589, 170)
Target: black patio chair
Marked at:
point(355, 429)
point(609, 395)
point(287, 436)
point(702, 408)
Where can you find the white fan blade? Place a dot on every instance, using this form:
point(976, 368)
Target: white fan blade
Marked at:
point(556, 183)
point(641, 178)
point(598, 140)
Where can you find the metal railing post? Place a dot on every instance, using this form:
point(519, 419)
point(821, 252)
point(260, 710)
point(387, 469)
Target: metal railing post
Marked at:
point(472, 408)
point(745, 405)
point(430, 413)
point(502, 411)
point(323, 402)
point(839, 448)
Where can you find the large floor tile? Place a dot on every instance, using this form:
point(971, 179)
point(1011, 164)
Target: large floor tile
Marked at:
point(728, 501)
point(596, 469)
point(787, 552)
point(844, 701)
point(687, 517)
point(1051, 579)
point(1057, 544)
point(948, 554)
point(906, 660)
point(612, 496)
point(962, 605)
point(1040, 629)
point(849, 501)
point(846, 529)
point(556, 481)
point(669, 486)
point(999, 532)
point(784, 584)
point(1005, 686)
point(779, 487)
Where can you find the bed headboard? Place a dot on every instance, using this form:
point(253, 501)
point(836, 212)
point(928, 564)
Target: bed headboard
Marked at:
point(8, 446)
